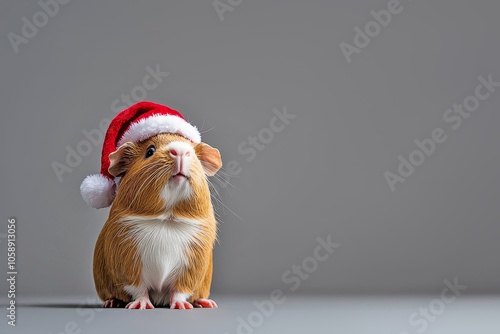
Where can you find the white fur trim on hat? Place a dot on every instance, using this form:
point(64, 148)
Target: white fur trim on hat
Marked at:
point(98, 191)
point(153, 125)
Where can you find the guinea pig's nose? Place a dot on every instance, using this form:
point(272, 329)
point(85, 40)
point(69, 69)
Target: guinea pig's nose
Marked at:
point(174, 153)
point(181, 156)
point(179, 150)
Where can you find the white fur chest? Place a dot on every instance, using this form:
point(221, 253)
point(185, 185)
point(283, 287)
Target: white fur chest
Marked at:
point(162, 245)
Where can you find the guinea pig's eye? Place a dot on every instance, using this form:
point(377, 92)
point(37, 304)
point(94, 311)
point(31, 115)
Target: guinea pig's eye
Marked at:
point(150, 151)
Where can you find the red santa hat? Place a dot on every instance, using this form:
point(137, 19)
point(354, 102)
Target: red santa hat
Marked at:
point(136, 123)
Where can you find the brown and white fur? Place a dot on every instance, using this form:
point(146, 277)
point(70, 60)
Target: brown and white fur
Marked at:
point(156, 246)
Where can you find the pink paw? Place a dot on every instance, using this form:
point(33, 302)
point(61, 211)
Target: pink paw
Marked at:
point(181, 305)
point(204, 303)
point(113, 303)
point(140, 304)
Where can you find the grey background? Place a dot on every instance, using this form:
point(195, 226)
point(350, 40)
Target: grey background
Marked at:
point(322, 175)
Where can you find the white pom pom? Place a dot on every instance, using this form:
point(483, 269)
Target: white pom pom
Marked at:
point(98, 191)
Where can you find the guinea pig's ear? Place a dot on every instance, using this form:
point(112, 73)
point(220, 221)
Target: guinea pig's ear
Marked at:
point(209, 157)
point(120, 160)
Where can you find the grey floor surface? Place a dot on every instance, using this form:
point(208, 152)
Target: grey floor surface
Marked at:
point(297, 314)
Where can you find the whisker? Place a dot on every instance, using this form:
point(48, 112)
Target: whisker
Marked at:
point(216, 192)
point(233, 213)
point(222, 184)
point(203, 125)
point(222, 180)
point(221, 169)
point(213, 127)
point(149, 180)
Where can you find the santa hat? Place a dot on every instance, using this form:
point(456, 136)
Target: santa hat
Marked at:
point(134, 124)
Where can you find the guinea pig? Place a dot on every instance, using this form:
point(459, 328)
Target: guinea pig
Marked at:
point(156, 246)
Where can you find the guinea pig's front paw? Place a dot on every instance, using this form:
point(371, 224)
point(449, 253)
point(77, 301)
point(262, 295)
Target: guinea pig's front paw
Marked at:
point(204, 303)
point(179, 301)
point(181, 305)
point(142, 303)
